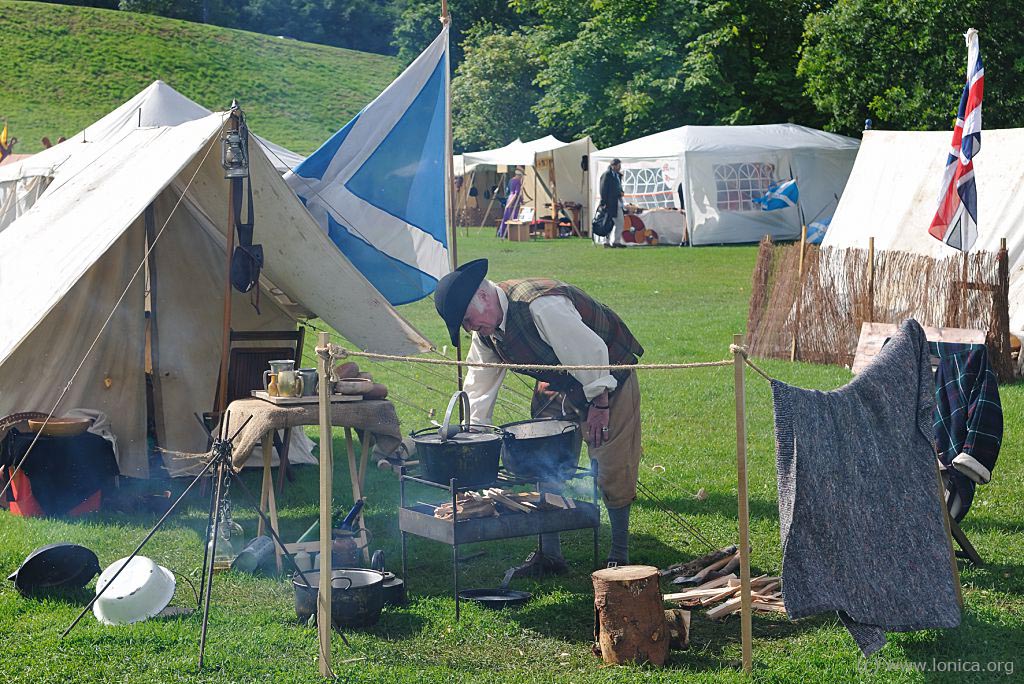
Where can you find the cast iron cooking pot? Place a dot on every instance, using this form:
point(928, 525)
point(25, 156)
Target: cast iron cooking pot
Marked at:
point(357, 596)
point(468, 453)
point(542, 450)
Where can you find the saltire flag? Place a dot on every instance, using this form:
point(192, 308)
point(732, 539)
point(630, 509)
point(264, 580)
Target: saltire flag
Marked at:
point(817, 230)
point(779, 196)
point(956, 219)
point(379, 186)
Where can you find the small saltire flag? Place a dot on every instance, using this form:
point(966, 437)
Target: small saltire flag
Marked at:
point(956, 219)
point(379, 186)
point(779, 196)
point(817, 230)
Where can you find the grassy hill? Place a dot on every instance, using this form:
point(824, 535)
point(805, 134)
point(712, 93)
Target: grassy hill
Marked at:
point(64, 67)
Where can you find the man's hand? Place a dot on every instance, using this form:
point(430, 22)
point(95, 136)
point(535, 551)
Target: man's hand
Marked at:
point(597, 425)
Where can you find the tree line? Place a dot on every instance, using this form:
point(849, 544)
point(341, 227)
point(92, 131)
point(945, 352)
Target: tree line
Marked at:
point(620, 70)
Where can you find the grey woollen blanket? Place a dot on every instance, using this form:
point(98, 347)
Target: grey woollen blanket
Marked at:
point(860, 516)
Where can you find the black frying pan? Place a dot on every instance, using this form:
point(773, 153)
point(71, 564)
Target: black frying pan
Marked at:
point(499, 598)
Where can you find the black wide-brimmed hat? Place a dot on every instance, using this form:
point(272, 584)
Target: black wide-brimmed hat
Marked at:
point(55, 565)
point(454, 292)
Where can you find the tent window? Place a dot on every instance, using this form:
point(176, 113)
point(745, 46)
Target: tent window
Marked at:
point(648, 187)
point(738, 184)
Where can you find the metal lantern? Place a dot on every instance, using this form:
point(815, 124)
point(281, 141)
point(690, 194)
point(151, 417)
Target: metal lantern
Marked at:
point(234, 157)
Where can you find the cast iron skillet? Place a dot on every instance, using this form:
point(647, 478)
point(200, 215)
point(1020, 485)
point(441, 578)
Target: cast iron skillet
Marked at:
point(499, 598)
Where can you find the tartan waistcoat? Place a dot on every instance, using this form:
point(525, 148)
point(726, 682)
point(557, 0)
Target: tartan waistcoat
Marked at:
point(522, 342)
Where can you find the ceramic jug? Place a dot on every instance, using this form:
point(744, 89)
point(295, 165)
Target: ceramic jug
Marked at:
point(310, 381)
point(277, 367)
point(289, 383)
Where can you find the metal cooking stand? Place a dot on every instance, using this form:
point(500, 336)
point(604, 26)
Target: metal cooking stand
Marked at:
point(419, 520)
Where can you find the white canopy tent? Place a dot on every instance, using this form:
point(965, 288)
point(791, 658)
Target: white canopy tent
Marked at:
point(723, 168)
point(554, 172)
point(76, 258)
point(893, 192)
point(23, 182)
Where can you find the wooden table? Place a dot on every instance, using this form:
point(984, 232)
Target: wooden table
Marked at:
point(377, 420)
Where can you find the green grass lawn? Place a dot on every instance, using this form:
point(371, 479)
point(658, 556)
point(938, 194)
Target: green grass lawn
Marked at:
point(683, 304)
point(64, 67)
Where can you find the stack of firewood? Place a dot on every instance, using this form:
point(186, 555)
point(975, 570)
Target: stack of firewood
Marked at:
point(470, 505)
point(497, 501)
point(714, 578)
point(765, 595)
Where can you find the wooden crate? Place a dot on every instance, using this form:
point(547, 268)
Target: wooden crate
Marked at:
point(518, 231)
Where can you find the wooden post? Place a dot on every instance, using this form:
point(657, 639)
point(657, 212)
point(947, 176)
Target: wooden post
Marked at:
point(1003, 302)
point(871, 279)
point(323, 614)
point(744, 513)
point(222, 388)
point(799, 293)
point(964, 320)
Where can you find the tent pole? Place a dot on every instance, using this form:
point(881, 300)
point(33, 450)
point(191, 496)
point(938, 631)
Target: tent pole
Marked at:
point(490, 204)
point(453, 251)
point(741, 494)
point(222, 387)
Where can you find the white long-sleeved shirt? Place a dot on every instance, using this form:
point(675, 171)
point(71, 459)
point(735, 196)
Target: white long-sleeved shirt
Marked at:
point(562, 328)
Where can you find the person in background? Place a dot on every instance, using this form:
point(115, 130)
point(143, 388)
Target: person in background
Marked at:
point(546, 322)
point(516, 191)
point(611, 199)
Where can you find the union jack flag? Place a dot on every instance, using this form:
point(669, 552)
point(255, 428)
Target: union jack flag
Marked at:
point(956, 219)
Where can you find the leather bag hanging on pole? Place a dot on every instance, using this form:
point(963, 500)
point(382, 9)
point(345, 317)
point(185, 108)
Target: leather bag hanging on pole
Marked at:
point(247, 259)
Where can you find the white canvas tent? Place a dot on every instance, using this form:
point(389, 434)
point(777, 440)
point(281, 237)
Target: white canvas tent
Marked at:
point(893, 192)
point(23, 182)
point(66, 265)
point(554, 172)
point(722, 168)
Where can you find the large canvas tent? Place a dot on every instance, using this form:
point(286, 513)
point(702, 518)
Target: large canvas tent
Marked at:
point(71, 271)
point(555, 171)
point(723, 168)
point(23, 182)
point(893, 191)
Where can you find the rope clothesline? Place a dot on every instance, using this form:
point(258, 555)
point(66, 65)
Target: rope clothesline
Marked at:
point(339, 352)
point(742, 351)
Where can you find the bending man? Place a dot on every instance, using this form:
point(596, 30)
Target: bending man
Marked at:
point(543, 321)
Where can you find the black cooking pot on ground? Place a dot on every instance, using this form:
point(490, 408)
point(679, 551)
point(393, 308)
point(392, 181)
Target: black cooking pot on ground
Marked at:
point(542, 450)
point(357, 596)
point(468, 453)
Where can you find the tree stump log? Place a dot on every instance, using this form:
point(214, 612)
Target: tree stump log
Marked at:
point(629, 620)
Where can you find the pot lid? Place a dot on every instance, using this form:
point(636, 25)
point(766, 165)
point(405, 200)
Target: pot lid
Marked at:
point(56, 565)
point(474, 434)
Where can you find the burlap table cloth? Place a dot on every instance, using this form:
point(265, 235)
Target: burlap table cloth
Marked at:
point(377, 416)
